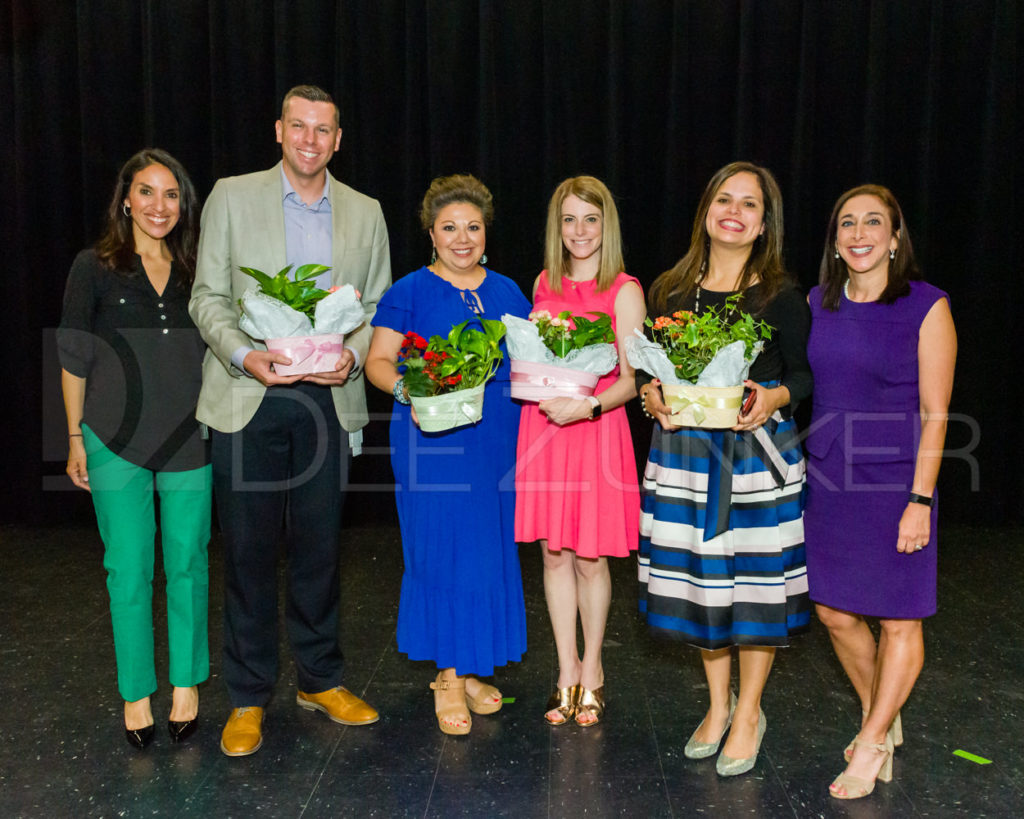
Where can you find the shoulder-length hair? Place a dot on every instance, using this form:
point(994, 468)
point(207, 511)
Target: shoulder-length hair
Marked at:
point(557, 259)
point(903, 269)
point(764, 262)
point(116, 245)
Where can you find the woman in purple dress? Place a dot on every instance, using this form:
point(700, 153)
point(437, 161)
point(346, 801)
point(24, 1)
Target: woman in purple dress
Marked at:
point(882, 350)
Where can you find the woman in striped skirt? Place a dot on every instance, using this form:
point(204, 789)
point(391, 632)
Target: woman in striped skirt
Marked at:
point(721, 533)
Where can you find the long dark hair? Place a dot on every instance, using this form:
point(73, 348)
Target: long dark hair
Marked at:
point(903, 267)
point(764, 262)
point(116, 245)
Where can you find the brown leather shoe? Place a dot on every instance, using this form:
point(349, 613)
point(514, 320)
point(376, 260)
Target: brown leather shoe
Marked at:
point(340, 704)
point(243, 733)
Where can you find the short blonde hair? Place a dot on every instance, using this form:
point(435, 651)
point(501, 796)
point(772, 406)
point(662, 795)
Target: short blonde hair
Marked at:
point(556, 255)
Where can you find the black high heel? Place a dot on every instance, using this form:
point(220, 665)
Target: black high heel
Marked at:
point(180, 731)
point(139, 737)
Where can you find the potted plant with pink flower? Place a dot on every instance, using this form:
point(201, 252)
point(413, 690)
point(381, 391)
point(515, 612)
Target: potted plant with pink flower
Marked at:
point(559, 356)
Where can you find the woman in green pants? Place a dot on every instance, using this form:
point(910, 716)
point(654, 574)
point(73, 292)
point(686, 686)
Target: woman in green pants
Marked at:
point(130, 371)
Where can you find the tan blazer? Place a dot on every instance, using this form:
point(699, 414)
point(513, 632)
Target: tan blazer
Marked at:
point(243, 224)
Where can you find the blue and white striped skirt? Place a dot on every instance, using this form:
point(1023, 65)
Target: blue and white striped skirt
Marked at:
point(721, 559)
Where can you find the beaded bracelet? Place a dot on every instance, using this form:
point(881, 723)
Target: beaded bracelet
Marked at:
point(643, 404)
point(398, 391)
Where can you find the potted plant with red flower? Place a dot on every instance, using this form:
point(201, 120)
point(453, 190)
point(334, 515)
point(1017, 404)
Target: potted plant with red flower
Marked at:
point(445, 376)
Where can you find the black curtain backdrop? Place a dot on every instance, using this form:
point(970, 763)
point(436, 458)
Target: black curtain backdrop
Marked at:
point(650, 95)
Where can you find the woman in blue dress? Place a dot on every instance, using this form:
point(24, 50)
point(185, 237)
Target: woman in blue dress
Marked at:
point(462, 597)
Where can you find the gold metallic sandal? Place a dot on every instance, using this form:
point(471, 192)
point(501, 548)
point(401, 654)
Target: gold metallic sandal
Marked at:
point(564, 701)
point(593, 703)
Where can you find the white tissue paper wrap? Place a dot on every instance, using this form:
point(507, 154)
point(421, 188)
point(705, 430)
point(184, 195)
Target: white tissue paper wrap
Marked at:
point(727, 369)
point(266, 317)
point(524, 343)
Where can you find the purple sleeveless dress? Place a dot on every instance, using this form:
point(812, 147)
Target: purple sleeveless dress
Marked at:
point(861, 450)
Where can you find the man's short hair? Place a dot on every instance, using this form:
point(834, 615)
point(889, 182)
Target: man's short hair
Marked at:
point(312, 93)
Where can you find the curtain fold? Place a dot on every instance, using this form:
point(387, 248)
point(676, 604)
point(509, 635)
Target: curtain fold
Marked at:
point(650, 95)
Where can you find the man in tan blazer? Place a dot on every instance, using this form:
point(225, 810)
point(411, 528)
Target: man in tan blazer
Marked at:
point(281, 445)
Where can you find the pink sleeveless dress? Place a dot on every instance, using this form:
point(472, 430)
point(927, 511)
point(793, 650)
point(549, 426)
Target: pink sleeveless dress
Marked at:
point(576, 486)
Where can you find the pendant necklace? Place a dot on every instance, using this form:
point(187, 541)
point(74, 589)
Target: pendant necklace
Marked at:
point(696, 306)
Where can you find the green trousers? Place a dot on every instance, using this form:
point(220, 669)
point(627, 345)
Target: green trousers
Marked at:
point(122, 494)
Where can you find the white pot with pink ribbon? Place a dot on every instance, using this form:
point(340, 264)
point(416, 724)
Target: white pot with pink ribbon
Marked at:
point(314, 346)
point(538, 374)
point(317, 353)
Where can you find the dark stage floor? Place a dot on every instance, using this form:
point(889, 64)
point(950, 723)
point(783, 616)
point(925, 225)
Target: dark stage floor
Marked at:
point(62, 751)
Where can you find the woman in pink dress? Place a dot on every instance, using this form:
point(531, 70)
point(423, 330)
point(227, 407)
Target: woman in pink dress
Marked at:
point(576, 481)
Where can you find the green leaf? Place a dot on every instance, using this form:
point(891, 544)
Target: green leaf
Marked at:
point(455, 332)
point(310, 271)
point(262, 278)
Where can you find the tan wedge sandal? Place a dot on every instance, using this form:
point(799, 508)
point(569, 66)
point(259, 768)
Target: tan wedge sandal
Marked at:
point(488, 701)
point(451, 713)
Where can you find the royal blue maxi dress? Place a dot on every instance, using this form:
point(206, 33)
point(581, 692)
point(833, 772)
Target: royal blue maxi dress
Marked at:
point(462, 593)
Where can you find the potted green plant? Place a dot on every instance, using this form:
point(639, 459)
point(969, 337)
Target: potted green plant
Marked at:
point(726, 338)
point(445, 376)
point(299, 320)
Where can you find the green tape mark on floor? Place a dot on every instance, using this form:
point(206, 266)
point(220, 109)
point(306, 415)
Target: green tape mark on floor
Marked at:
point(972, 757)
point(508, 699)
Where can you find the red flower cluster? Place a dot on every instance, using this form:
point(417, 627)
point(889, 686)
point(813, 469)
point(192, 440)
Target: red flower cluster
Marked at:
point(412, 344)
point(415, 346)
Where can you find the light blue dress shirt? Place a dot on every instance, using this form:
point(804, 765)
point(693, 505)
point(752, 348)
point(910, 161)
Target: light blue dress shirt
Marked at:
point(308, 231)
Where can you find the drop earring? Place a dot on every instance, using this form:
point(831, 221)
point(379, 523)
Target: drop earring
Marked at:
point(483, 259)
point(433, 255)
point(892, 253)
point(836, 253)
